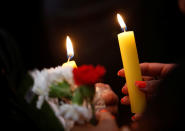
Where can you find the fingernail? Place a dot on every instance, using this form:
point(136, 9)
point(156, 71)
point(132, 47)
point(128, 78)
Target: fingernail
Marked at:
point(140, 84)
point(133, 118)
point(119, 72)
point(103, 110)
point(124, 91)
point(122, 101)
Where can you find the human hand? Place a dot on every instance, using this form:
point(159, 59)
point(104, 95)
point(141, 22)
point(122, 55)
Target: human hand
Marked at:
point(152, 74)
point(109, 97)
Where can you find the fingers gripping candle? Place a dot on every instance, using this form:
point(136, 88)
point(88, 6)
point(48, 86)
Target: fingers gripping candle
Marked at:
point(131, 67)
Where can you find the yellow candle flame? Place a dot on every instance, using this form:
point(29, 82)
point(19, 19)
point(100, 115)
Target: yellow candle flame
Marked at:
point(69, 47)
point(121, 21)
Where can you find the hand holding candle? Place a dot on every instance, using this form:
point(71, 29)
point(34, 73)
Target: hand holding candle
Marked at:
point(70, 54)
point(131, 66)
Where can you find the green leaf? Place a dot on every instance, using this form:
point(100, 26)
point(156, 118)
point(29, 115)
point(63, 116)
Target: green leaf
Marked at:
point(87, 92)
point(77, 97)
point(60, 90)
point(82, 93)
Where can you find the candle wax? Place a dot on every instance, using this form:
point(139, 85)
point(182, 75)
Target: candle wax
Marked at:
point(132, 70)
point(70, 63)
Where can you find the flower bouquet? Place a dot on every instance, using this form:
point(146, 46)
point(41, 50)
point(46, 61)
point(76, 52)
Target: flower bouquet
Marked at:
point(70, 92)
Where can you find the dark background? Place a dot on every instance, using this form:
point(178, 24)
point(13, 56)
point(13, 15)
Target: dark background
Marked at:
point(40, 28)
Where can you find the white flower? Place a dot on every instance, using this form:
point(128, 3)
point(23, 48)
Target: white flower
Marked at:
point(75, 113)
point(40, 101)
point(68, 74)
point(55, 75)
point(68, 124)
point(59, 74)
point(45, 78)
point(40, 86)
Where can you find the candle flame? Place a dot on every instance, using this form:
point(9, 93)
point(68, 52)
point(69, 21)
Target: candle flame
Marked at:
point(69, 47)
point(121, 21)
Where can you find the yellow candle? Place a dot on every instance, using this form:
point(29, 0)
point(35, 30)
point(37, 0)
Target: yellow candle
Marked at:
point(70, 63)
point(70, 54)
point(131, 67)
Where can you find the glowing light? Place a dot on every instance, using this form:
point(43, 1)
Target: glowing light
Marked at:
point(69, 47)
point(121, 22)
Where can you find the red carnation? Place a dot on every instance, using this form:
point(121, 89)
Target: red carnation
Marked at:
point(88, 74)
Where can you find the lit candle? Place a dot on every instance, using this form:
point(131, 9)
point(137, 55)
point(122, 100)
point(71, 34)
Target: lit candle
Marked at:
point(70, 54)
point(131, 67)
